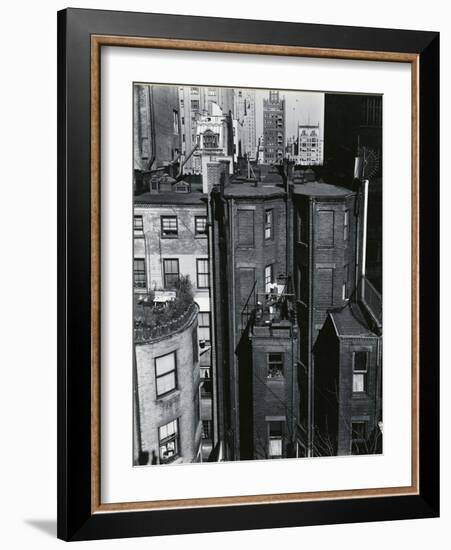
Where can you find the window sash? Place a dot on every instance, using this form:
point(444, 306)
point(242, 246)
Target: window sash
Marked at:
point(169, 441)
point(138, 223)
point(171, 272)
point(139, 273)
point(169, 226)
point(200, 225)
point(268, 277)
point(275, 447)
point(268, 224)
point(359, 382)
point(275, 365)
point(203, 274)
point(165, 373)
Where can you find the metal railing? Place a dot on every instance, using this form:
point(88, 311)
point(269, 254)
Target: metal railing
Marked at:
point(371, 299)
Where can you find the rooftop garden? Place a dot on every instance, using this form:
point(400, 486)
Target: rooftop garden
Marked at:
point(159, 313)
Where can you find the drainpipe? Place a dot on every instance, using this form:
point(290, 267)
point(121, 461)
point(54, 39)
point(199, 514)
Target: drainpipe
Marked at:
point(364, 236)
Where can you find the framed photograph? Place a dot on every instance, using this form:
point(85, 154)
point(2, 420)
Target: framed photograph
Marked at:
point(248, 274)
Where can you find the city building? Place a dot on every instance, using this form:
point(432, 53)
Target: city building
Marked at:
point(244, 113)
point(171, 242)
point(256, 332)
point(273, 128)
point(353, 127)
point(348, 378)
point(156, 132)
point(215, 138)
point(194, 102)
point(310, 145)
point(288, 264)
point(167, 414)
point(324, 271)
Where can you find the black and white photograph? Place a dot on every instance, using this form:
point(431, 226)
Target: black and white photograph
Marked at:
point(257, 274)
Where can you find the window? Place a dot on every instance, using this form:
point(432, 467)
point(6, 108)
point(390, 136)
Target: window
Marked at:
point(175, 121)
point(210, 140)
point(168, 436)
point(268, 278)
point(275, 439)
point(360, 371)
point(194, 90)
point(200, 225)
point(196, 403)
point(195, 343)
point(206, 429)
point(169, 226)
point(345, 286)
point(275, 365)
point(202, 273)
point(139, 273)
point(346, 225)
point(165, 373)
point(268, 224)
point(170, 272)
point(203, 323)
point(195, 104)
point(302, 284)
point(138, 223)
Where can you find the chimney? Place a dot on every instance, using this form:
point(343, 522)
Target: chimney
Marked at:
point(225, 175)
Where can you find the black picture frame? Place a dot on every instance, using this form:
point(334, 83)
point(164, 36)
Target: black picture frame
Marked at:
point(76, 521)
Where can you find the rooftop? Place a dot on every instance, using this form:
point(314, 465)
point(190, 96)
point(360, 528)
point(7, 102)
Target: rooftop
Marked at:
point(154, 319)
point(350, 321)
point(249, 189)
point(317, 189)
point(169, 198)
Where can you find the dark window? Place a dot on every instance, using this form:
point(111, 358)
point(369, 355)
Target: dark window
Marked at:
point(346, 225)
point(171, 272)
point(360, 371)
point(326, 228)
point(206, 429)
point(269, 229)
point(195, 343)
point(169, 226)
point(196, 408)
point(275, 439)
point(202, 273)
point(203, 321)
point(138, 223)
point(245, 227)
point(165, 373)
point(195, 104)
point(168, 436)
point(139, 273)
point(302, 284)
point(200, 225)
point(210, 140)
point(275, 365)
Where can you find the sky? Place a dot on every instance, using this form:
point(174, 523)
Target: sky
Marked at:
point(301, 107)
